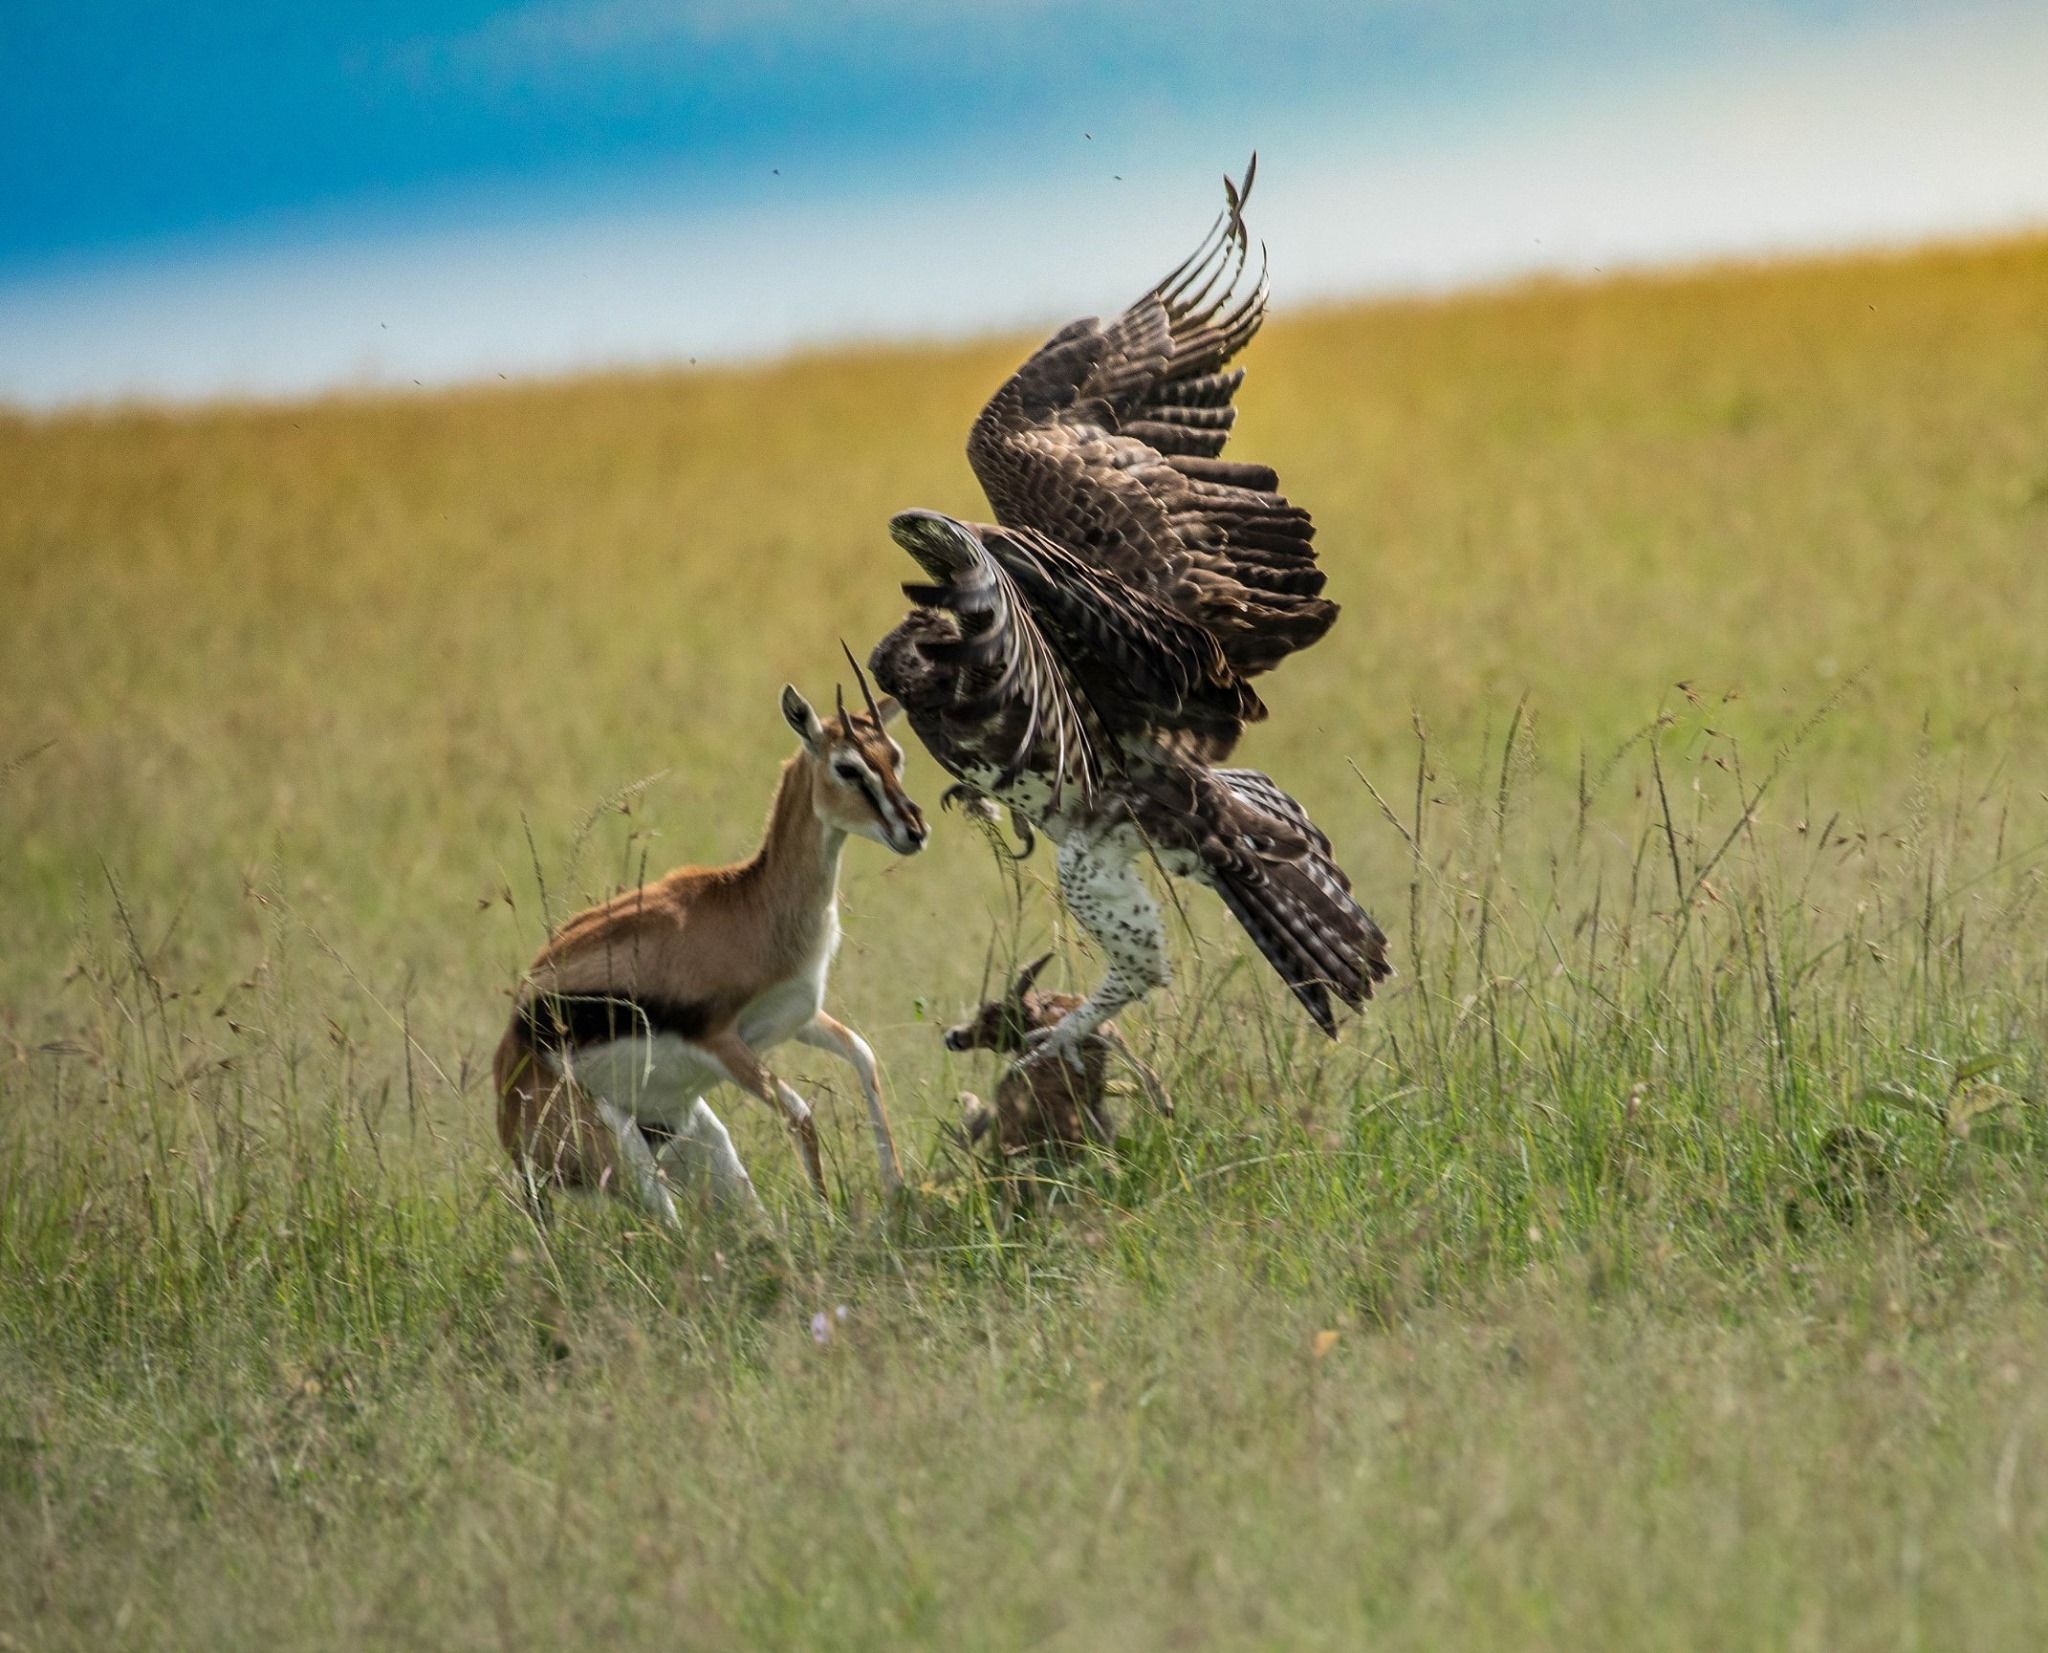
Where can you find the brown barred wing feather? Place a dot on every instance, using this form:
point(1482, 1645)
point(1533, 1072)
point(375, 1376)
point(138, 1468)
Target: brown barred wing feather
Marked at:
point(1143, 666)
point(1085, 650)
point(996, 654)
point(1107, 441)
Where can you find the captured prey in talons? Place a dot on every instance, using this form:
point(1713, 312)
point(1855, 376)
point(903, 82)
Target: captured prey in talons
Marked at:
point(1048, 1111)
point(1086, 661)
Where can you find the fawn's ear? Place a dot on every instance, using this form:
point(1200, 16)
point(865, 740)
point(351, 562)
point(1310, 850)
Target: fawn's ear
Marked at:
point(890, 709)
point(796, 711)
point(1028, 975)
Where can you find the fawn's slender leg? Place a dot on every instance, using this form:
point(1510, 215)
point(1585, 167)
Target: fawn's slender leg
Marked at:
point(1148, 1081)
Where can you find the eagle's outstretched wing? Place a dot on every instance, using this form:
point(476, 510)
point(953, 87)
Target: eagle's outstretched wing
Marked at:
point(1107, 440)
point(1081, 651)
point(974, 629)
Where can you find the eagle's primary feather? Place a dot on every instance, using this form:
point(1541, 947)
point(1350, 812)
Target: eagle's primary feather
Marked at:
point(1087, 658)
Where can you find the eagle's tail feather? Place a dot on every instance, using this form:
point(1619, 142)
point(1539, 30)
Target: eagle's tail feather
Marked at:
point(1299, 911)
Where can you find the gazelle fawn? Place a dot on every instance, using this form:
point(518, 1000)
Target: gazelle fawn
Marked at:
point(638, 1006)
point(1044, 1107)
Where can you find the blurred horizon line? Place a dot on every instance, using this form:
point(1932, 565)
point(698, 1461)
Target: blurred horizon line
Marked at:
point(1479, 288)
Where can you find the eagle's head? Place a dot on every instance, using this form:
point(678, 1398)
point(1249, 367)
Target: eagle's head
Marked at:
point(944, 548)
point(917, 662)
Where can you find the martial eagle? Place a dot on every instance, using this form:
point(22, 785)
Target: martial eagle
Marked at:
point(1086, 661)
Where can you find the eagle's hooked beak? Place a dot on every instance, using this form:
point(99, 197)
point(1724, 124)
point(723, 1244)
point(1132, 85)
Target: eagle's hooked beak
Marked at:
point(943, 547)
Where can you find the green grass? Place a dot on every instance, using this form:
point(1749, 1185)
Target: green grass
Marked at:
point(1677, 1216)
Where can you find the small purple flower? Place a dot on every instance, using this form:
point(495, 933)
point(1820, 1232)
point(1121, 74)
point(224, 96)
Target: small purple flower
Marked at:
point(821, 1329)
point(839, 1313)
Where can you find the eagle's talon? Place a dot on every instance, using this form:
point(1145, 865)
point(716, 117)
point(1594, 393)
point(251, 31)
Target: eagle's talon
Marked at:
point(983, 810)
point(1027, 839)
point(1055, 1043)
point(971, 802)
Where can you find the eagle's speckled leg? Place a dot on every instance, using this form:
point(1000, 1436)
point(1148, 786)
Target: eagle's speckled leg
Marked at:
point(1100, 883)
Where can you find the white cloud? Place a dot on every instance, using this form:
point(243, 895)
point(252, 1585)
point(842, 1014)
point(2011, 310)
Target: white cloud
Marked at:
point(1898, 134)
point(544, 34)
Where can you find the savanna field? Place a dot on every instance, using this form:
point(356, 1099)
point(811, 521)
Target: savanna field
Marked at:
point(1658, 1264)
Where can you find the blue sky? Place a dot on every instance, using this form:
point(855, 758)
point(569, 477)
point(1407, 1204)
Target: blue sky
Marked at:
point(253, 199)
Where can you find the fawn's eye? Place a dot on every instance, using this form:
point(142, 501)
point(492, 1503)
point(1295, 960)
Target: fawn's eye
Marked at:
point(846, 771)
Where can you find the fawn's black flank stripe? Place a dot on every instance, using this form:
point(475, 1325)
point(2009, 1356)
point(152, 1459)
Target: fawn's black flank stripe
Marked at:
point(568, 1021)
